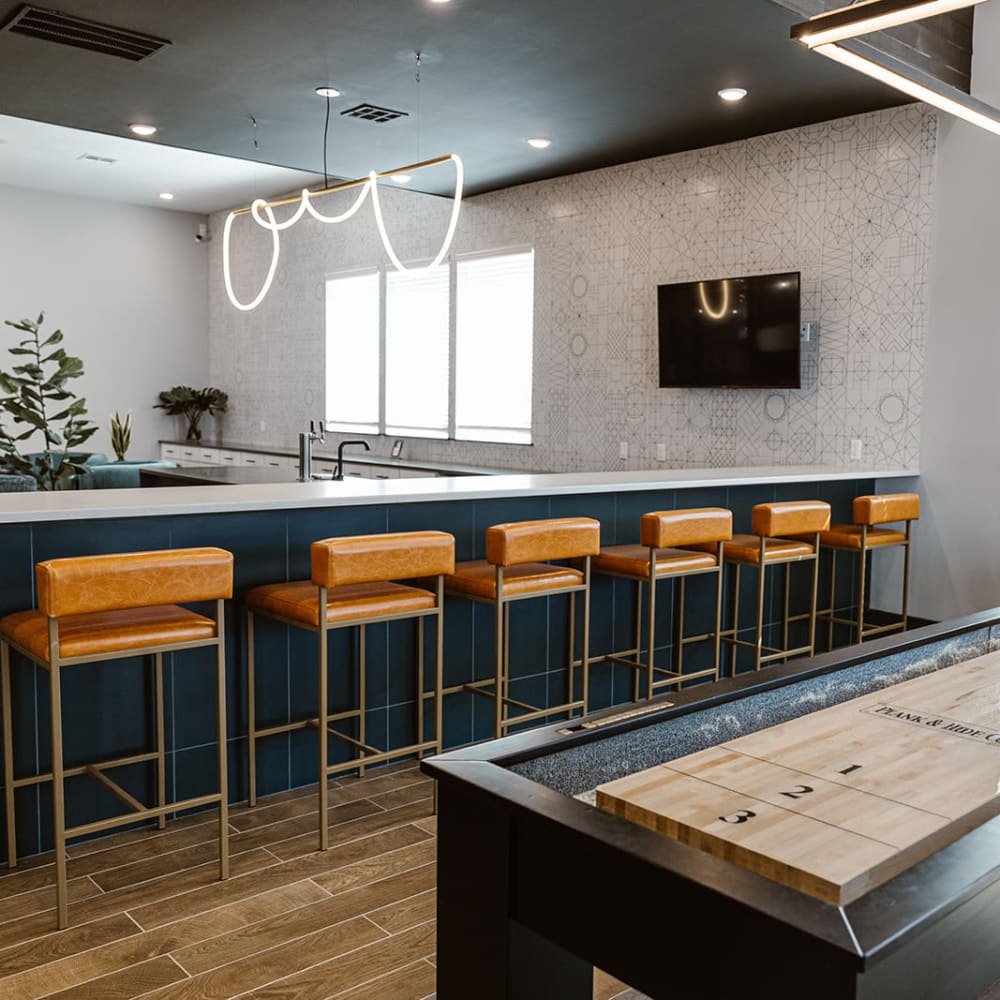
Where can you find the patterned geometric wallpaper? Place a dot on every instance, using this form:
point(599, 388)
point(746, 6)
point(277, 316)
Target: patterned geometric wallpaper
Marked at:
point(848, 203)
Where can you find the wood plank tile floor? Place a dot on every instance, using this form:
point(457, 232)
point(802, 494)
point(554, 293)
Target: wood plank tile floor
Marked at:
point(149, 919)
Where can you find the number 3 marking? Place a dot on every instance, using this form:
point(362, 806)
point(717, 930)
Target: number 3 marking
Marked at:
point(741, 817)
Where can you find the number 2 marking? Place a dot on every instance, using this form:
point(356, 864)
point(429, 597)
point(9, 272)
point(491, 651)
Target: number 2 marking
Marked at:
point(798, 792)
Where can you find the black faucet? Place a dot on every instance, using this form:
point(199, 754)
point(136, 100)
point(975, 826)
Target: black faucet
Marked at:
point(339, 474)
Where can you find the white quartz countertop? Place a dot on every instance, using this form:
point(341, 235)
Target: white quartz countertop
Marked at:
point(151, 502)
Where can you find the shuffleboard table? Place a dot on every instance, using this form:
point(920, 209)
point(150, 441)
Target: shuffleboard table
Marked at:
point(826, 828)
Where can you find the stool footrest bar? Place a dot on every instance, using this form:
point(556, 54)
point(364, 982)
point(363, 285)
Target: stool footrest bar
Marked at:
point(377, 758)
point(147, 813)
point(116, 790)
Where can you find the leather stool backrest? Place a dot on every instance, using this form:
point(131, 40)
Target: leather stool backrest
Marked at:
point(794, 517)
point(671, 528)
point(401, 555)
point(541, 541)
point(885, 507)
point(87, 584)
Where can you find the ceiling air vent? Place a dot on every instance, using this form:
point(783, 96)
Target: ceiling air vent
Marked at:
point(94, 158)
point(54, 26)
point(373, 113)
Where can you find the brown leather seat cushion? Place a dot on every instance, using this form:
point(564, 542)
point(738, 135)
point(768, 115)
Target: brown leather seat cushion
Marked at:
point(107, 631)
point(746, 549)
point(478, 578)
point(299, 600)
point(848, 536)
point(633, 560)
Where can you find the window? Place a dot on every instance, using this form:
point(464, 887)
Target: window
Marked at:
point(352, 353)
point(443, 353)
point(416, 352)
point(494, 309)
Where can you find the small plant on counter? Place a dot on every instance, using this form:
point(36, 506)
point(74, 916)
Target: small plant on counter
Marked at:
point(121, 434)
point(184, 401)
point(40, 403)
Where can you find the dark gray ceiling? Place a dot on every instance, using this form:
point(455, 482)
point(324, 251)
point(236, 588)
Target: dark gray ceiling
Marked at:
point(608, 81)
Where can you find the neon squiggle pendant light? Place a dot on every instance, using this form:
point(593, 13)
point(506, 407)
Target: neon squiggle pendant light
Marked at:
point(368, 185)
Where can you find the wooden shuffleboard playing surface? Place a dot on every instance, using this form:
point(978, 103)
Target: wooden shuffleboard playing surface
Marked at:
point(839, 801)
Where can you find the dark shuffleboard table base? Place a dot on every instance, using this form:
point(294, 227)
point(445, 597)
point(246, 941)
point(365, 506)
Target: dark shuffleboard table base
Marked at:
point(536, 888)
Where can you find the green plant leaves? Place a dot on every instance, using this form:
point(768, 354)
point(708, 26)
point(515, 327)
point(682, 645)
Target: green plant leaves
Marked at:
point(28, 388)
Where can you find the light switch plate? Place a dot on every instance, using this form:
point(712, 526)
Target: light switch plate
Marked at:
point(661, 452)
point(623, 449)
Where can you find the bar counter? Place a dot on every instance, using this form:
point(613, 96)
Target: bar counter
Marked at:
point(269, 528)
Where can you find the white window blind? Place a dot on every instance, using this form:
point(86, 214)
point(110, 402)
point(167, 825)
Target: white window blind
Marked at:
point(417, 352)
point(352, 353)
point(494, 326)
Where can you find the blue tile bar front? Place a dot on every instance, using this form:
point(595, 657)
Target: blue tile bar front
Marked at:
point(272, 545)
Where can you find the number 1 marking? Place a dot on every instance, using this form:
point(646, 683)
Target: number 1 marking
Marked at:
point(848, 770)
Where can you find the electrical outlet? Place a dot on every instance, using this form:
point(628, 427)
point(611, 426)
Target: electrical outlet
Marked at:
point(856, 449)
point(623, 449)
point(661, 452)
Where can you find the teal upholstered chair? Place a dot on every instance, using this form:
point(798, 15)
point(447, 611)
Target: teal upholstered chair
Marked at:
point(117, 475)
point(13, 482)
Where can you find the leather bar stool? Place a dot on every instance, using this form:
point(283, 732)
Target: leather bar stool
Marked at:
point(354, 584)
point(862, 537)
point(657, 557)
point(782, 534)
point(98, 608)
point(519, 565)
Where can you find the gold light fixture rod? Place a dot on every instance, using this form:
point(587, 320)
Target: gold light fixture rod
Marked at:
point(344, 185)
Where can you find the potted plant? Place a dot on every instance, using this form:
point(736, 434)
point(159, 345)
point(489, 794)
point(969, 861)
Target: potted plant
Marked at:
point(184, 401)
point(38, 400)
point(121, 434)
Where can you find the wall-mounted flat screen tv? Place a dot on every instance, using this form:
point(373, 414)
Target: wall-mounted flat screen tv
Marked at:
point(731, 332)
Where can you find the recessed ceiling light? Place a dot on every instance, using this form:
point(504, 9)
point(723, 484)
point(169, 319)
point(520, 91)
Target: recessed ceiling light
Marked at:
point(403, 178)
point(540, 142)
point(328, 92)
point(143, 130)
point(440, 1)
point(166, 196)
point(732, 93)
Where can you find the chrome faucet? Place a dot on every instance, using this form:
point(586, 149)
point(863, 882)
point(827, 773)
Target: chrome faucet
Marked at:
point(316, 432)
point(339, 474)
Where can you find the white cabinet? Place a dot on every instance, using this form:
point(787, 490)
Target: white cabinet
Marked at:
point(196, 454)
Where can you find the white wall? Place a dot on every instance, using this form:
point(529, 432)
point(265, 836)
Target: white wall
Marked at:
point(128, 287)
point(957, 541)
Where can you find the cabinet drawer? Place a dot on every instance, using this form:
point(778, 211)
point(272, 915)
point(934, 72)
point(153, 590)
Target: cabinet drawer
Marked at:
point(210, 456)
point(229, 457)
point(170, 452)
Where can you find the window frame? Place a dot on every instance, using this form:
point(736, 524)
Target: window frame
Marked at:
point(452, 261)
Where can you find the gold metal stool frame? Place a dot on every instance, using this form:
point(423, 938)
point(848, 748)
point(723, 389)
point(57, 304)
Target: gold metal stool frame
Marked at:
point(864, 537)
point(669, 530)
point(530, 545)
point(776, 527)
point(324, 718)
point(54, 664)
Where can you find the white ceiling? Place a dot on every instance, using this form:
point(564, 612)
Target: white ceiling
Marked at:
point(47, 157)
